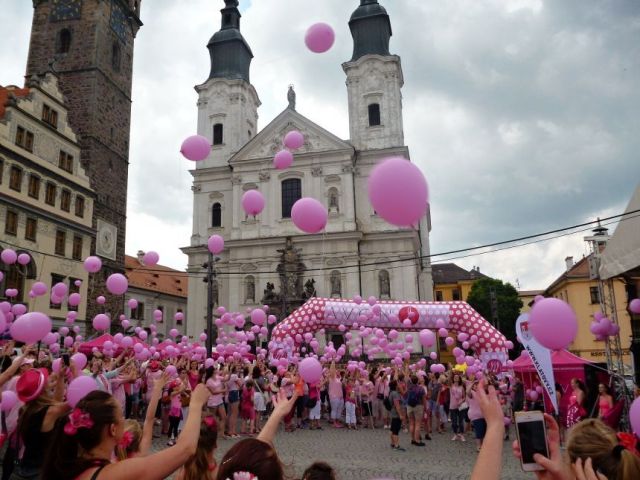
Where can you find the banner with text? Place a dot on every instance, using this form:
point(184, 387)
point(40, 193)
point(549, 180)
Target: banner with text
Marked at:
point(540, 356)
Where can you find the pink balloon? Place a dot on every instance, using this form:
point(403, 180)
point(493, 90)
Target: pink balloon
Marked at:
point(31, 327)
point(133, 303)
point(101, 300)
point(9, 400)
point(39, 288)
point(178, 317)
point(79, 360)
point(101, 322)
point(117, 284)
point(442, 332)
point(427, 338)
point(319, 38)
point(634, 416)
point(195, 148)
point(433, 356)
point(252, 202)
point(293, 140)
point(309, 215)
point(92, 264)
point(449, 341)
point(79, 388)
point(634, 305)
point(19, 309)
point(173, 332)
point(8, 256)
point(59, 289)
point(553, 323)
point(398, 192)
point(258, 316)
point(310, 370)
point(283, 159)
point(215, 244)
point(24, 259)
point(126, 342)
point(74, 299)
point(151, 258)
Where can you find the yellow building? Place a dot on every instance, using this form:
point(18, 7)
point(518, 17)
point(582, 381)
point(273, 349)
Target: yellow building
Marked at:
point(46, 202)
point(527, 297)
point(451, 282)
point(576, 288)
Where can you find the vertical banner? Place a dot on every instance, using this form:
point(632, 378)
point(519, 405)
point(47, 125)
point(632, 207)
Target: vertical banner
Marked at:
point(540, 356)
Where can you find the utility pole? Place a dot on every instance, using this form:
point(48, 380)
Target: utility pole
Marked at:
point(209, 280)
point(494, 307)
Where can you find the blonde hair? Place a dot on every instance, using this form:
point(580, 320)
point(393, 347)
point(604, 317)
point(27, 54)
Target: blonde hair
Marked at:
point(134, 428)
point(593, 439)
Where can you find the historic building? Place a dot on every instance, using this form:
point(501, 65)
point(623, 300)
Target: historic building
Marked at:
point(156, 288)
point(266, 258)
point(452, 282)
point(46, 201)
point(89, 45)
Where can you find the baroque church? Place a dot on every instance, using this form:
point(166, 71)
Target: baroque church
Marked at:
point(267, 259)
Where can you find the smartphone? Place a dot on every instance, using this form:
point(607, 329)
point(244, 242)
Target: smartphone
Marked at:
point(532, 437)
point(65, 359)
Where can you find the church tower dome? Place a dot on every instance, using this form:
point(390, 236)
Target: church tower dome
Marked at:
point(230, 53)
point(371, 30)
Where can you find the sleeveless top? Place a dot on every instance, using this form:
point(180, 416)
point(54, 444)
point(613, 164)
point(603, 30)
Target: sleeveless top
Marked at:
point(35, 441)
point(604, 407)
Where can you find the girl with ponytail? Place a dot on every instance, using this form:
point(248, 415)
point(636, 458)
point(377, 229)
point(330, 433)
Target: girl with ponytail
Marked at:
point(202, 466)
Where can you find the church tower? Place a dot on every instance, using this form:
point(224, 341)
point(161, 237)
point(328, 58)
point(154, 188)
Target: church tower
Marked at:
point(88, 44)
point(227, 102)
point(374, 81)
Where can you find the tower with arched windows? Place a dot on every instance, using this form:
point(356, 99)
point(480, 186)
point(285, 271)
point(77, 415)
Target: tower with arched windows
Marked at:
point(358, 252)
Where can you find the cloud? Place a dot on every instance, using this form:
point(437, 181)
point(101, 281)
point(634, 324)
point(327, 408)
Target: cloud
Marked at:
point(522, 114)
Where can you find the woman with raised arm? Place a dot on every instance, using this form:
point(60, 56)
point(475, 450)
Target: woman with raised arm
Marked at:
point(215, 405)
point(83, 441)
point(336, 395)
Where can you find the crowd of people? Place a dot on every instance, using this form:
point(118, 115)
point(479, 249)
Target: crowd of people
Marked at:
point(109, 432)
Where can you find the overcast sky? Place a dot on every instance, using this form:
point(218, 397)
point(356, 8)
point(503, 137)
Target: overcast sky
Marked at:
point(523, 114)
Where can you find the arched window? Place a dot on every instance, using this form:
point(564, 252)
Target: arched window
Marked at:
point(64, 41)
point(384, 285)
point(115, 57)
point(374, 114)
point(336, 284)
point(333, 200)
point(291, 193)
point(216, 215)
point(249, 289)
point(217, 134)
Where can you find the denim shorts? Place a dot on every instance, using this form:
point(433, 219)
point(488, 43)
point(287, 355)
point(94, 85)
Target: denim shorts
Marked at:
point(234, 396)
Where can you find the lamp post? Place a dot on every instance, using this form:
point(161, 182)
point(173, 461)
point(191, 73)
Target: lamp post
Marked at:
point(210, 265)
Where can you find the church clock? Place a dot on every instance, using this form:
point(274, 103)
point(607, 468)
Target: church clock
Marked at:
point(65, 10)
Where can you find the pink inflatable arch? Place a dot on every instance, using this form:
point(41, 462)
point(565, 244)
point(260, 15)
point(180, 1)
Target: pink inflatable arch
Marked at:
point(319, 313)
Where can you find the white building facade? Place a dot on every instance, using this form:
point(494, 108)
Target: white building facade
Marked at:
point(358, 253)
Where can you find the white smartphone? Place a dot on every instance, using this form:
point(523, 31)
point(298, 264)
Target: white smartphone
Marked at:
point(532, 437)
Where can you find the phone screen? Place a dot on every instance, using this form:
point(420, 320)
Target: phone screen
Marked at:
point(532, 439)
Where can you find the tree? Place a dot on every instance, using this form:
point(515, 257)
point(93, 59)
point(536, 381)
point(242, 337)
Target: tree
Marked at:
point(507, 304)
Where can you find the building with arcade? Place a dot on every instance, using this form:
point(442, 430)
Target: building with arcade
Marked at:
point(266, 258)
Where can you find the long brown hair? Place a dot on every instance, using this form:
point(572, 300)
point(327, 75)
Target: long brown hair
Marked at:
point(32, 408)
point(197, 467)
point(593, 439)
point(253, 456)
point(132, 428)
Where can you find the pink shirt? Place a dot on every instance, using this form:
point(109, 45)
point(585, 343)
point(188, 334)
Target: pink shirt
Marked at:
point(475, 413)
point(456, 394)
point(335, 388)
point(214, 384)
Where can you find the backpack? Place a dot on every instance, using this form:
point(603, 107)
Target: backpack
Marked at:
point(413, 399)
point(387, 404)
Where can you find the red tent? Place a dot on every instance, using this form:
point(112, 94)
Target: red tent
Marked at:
point(98, 342)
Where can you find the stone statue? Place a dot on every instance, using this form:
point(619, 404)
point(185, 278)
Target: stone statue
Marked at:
point(291, 97)
point(336, 284)
point(309, 289)
point(290, 270)
point(384, 284)
point(250, 288)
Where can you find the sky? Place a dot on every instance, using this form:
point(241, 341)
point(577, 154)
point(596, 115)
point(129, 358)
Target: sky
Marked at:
point(522, 114)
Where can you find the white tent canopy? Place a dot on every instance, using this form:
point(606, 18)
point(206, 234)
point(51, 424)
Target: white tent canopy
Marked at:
point(623, 249)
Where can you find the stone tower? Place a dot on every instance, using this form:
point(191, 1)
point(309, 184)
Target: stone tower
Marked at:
point(89, 45)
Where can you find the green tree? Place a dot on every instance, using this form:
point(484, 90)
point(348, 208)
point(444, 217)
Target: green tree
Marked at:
point(507, 303)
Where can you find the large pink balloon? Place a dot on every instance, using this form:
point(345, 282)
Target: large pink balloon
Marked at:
point(31, 327)
point(309, 215)
point(74, 299)
point(319, 38)
point(215, 244)
point(634, 305)
point(195, 148)
point(79, 388)
point(24, 259)
point(117, 284)
point(258, 316)
point(553, 323)
point(92, 264)
point(283, 159)
point(310, 370)
point(398, 192)
point(101, 322)
point(427, 338)
point(293, 140)
point(39, 288)
point(8, 256)
point(252, 202)
point(151, 258)
point(79, 360)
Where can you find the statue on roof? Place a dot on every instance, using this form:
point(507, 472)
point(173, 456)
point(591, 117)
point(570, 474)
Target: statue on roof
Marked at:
point(291, 97)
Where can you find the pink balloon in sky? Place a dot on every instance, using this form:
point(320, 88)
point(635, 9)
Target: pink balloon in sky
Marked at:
point(283, 159)
point(398, 191)
point(195, 148)
point(252, 202)
point(309, 215)
point(293, 140)
point(553, 323)
point(319, 38)
point(215, 244)
point(92, 264)
point(151, 258)
point(8, 256)
point(24, 259)
point(117, 284)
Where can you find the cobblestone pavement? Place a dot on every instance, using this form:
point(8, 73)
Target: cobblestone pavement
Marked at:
point(366, 454)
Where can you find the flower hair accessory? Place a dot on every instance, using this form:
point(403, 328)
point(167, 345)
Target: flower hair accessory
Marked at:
point(126, 440)
point(627, 441)
point(211, 423)
point(243, 476)
point(77, 419)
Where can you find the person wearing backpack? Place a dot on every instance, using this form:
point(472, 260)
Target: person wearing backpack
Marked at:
point(396, 412)
point(415, 410)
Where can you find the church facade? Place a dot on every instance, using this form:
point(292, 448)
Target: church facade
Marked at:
point(267, 258)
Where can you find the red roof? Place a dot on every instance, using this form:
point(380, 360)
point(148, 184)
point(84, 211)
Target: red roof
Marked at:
point(6, 91)
point(156, 278)
point(560, 360)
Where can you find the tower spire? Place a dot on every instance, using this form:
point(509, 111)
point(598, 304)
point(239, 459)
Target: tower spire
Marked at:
point(371, 30)
point(230, 53)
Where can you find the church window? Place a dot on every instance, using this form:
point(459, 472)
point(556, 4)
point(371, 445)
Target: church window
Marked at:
point(216, 215)
point(336, 284)
point(64, 41)
point(115, 57)
point(374, 114)
point(384, 284)
point(217, 134)
point(333, 200)
point(250, 289)
point(291, 193)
